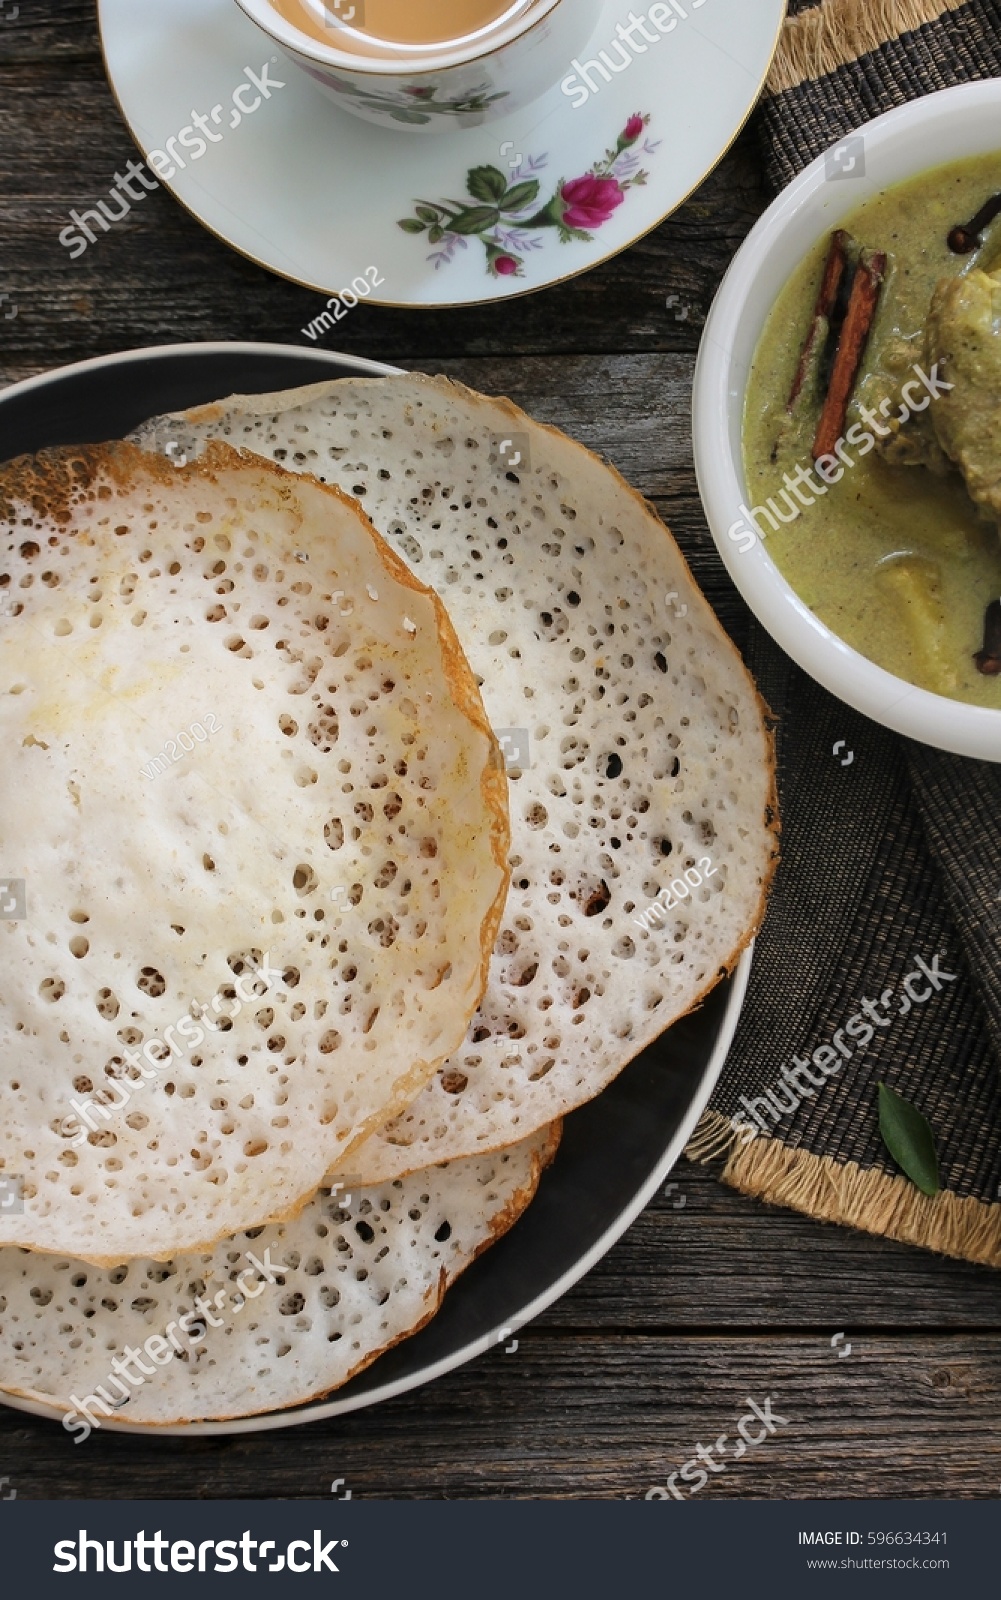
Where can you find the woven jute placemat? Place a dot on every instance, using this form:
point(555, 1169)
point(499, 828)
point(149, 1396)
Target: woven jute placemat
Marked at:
point(879, 959)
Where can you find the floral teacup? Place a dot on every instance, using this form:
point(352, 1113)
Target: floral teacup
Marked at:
point(506, 68)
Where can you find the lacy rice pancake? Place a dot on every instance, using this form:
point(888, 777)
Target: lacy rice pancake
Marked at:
point(266, 1320)
point(640, 764)
point(254, 839)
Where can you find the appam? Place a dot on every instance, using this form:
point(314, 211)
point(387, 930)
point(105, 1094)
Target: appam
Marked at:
point(287, 1313)
point(237, 949)
point(641, 763)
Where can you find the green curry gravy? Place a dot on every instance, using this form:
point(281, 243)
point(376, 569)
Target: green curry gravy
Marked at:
point(894, 559)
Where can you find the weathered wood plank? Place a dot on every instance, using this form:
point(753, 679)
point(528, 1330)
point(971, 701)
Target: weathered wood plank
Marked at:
point(703, 1256)
point(48, 30)
point(914, 1419)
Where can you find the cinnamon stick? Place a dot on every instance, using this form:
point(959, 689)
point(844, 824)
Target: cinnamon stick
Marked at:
point(827, 298)
point(866, 287)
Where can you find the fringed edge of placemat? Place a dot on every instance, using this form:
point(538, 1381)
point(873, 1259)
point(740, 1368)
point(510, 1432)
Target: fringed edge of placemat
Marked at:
point(833, 34)
point(844, 1192)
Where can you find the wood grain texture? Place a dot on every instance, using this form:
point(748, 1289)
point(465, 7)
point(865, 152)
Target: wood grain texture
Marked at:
point(588, 1416)
point(721, 1260)
point(702, 1304)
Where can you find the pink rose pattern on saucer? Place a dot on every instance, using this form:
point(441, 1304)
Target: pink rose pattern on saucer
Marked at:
point(502, 215)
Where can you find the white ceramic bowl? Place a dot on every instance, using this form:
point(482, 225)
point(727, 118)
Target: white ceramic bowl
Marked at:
point(965, 121)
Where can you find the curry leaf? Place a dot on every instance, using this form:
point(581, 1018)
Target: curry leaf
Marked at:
point(909, 1139)
point(487, 183)
point(411, 225)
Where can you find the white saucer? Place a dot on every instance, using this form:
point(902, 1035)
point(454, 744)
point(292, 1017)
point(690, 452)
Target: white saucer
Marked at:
point(317, 195)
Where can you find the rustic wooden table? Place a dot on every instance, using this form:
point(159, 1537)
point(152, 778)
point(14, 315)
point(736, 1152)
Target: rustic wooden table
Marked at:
point(710, 1298)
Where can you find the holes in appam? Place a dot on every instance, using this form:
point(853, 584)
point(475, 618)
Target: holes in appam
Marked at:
point(151, 982)
point(52, 989)
point(305, 776)
point(79, 946)
point(324, 731)
point(304, 880)
point(522, 979)
point(63, 627)
point(239, 961)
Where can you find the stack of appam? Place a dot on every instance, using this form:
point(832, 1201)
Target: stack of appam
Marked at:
point(403, 964)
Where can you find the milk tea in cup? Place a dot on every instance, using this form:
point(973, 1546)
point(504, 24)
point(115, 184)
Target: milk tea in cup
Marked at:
point(380, 27)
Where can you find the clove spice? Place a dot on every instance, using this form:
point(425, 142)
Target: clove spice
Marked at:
point(968, 235)
point(988, 660)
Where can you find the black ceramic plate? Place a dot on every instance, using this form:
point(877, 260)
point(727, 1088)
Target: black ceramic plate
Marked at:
point(615, 1151)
